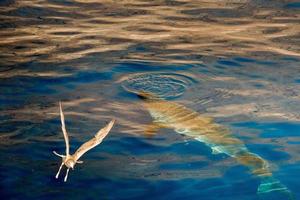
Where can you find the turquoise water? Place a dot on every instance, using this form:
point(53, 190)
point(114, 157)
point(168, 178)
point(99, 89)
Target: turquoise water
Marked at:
point(234, 61)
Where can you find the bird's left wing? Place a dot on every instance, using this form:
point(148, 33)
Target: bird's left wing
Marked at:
point(100, 135)
point(63, 127)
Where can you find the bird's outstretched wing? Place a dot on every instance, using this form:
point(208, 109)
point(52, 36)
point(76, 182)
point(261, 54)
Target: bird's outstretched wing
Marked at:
point(63, 127)
point(101, 134)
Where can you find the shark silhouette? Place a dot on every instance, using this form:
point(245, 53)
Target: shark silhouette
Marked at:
point(185, 121)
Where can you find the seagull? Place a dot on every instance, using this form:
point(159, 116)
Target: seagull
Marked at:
point(70, 160)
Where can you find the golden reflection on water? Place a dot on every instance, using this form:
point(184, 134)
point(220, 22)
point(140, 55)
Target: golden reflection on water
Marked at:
point(172, 32)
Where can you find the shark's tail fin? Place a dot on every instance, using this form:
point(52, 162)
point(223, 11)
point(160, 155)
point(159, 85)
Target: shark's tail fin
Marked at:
point(271, 187)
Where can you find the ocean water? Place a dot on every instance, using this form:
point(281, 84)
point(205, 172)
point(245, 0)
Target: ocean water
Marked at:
point(235, 61)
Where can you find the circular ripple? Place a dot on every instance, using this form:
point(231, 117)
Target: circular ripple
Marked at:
point(164, 85)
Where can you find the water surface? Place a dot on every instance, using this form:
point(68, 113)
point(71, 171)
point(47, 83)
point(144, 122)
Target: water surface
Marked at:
point(235, 61)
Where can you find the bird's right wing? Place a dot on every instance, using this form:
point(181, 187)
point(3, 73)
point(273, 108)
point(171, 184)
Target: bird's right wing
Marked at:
point(63, 127)
point(100, 135)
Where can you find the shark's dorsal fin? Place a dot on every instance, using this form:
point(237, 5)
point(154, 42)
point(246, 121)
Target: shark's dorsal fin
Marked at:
point(147, 96)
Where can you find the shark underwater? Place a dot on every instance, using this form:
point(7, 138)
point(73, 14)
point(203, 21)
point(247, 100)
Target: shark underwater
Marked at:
point(185, 121)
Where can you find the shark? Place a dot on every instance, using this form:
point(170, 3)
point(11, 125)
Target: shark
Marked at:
point(185, 121)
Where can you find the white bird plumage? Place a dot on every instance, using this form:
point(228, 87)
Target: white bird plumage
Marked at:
point(70, 160)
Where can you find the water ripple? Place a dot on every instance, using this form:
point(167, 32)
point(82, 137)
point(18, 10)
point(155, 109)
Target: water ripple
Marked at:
point(164, 85)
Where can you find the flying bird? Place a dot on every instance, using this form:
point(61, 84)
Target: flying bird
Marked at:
point(70, 160)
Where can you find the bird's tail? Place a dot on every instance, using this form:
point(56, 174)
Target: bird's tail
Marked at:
point(271, 188)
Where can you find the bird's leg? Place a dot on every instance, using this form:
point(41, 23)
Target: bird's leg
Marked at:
point(59, 155)
point(66, 177)
point(79, 161)
point(59, 170)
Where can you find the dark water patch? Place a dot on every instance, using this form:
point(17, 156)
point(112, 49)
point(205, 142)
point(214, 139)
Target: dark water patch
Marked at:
point(218, 12)
point(11, 126)
point(294, 142)
point(292, 5)
point(149, 30)
point(34, 22)
point(53, 21)
point(135, 67)
point(173, 189)
point(10, 102)
point(184, 166)
point(281, 130)
point(221, 68)
point(99, 21)
point(258, 85)
point(23, 180)
point(79, 4)
point(272, 30)
point(229, 63)
point(289, 181)
point(6, 68)
point(124, 12)
point(40, 85)
point(115, 40)
point(253, 76)
point(5, 118)
point(127, 95)
point(209, 182)
point(292, 59)
point(72, 49)
point(35, 12)
point(132, 145)
point(148, 67)
point(269, 152)
point(267, 63)
point(273, 130)
point(244, 60)
point(91, 76)
point(139, 146)
point(237, 173)
point(63, 3)
point(66, 33)
point(218, 188)
point(22, 85)
point(20, 47)
point(7, 2)
point(35, 150)
point(42, 90)
point(193, 147)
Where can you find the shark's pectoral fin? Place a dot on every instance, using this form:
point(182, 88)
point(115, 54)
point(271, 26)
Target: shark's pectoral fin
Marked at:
point(152, 129)
point(216, 150)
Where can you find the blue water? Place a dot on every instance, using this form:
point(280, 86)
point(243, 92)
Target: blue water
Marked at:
point(237, 62)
